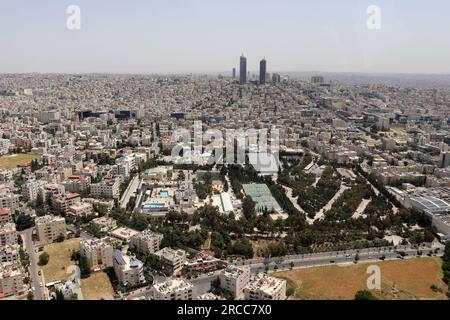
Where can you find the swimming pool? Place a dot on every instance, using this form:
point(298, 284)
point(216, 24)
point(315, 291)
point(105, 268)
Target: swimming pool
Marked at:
point(164, 194)
point(153, 205)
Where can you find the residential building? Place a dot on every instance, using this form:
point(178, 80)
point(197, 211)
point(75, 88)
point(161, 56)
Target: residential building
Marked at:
point(234, 279)
point(5, 216)
point(173, 289)
point(11, 280)
point(106, 189)
point(264, 287)
point(10, 253)
point(49, 228)
point(99, 253)
point(8, 234)
point(172, 260)
point(146, 242)
point(82, 209)
point(128, 270)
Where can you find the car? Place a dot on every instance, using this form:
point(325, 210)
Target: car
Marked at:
point(332, 261)
point(210, 274)
point(348, 255)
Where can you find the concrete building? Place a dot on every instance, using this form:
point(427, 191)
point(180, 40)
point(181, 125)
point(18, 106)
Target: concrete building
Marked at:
point(124, 234)
point(99, 253)
point(5, 216)
point(9, 201)
point(128, 270)
point(82, 209)
point(234, 279)
point(105, 224)
point(11, 280)
point(8, 234)
point(106, 189)
point(61, 203)
point(173, 289)
point(172, 260)
point(444, 161)
point(146, 242)
point(49, 228)
point(30, 189)
point(10, 253)
point(264, 287)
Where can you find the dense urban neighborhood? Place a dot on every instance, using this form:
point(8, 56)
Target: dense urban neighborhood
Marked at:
point(95, 203)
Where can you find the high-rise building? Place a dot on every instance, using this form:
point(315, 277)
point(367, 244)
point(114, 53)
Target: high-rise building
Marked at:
point(234, 73)
point(243, 70)
point(276, 78)
point(317, 79)
point(262, 71)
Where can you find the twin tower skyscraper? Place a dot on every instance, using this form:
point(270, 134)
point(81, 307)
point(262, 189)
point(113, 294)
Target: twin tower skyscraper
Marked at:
point(243, 71)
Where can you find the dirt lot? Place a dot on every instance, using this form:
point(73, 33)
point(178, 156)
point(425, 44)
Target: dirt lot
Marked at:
point(60, 254)
point(97, 287)
point(12, 161)
point(404, 280)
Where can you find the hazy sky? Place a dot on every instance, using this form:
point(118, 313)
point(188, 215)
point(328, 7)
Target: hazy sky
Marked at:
point(146, 36)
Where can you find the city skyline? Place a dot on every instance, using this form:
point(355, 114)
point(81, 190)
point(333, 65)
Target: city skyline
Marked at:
point(204, 37)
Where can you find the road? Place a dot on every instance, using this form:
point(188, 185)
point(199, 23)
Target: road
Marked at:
point(293, 262)
point(28, 242)
point(338, 257)
point(131, 189)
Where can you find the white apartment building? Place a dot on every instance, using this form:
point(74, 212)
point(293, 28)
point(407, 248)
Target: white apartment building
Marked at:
point(264, 287)
point(49, 228)
point(9, 201)
point(99, 253)
point(30, 189)
point(11, 280)
point(82, 209)
point(5, 216)
point(8, 234)
point(173, 289)
point(128, 270)
point(106, 189)
point(173, 260)
point(4, 146)
point(10, 253)
point(146, 242)
point(105, 224)
point(234, 279)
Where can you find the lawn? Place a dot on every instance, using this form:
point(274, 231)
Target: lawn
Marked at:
point(97, 286)
point(12, 161)
point(400, 280)
point(60, 254)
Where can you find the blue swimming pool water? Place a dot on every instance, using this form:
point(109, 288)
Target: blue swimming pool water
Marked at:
point(153, 205)
point(164, 194)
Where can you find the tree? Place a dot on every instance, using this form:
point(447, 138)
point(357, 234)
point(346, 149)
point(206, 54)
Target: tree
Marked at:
point(248, 208)
point(44, 257)
point(24, 222)
point(59, 295)
point(60, 238)
point(181, 176)
point(85, 267)
point(365, 295)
